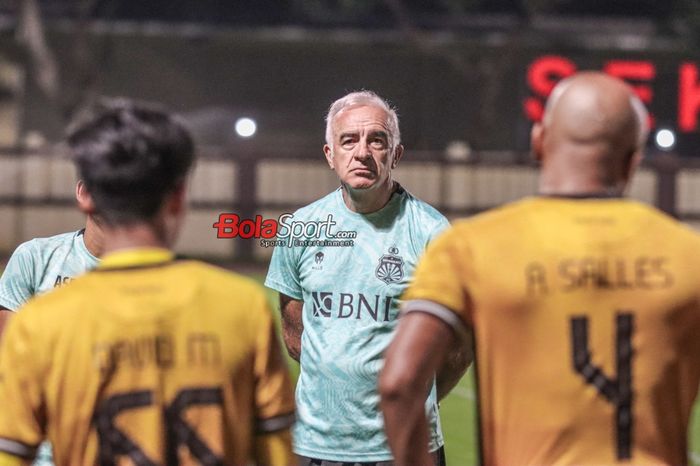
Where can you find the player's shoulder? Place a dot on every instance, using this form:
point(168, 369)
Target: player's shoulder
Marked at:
point(55, 240)
point(421, 209)
point(218, 284)
point(666, 225)
point(218, 279)
point(43, 246)
point(47, 243)
point(505, 214)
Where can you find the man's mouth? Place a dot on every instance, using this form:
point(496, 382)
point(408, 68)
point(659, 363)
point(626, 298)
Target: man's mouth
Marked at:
point(362, 171)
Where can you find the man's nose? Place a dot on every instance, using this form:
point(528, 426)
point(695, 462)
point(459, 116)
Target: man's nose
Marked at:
point(363, 152)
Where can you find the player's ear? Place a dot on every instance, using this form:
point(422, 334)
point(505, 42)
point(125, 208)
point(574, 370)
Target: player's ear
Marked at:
point(85, 202)
point(328, 152)
point(634, 160)
point(536, 141)
point(172, 213)
point(398, 153)
point(177, 202)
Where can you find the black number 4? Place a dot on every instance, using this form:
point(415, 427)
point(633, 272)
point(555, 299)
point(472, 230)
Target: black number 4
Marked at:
point(617, 391)
point(115, 443)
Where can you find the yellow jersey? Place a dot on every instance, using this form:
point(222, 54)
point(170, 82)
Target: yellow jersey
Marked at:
point(586, 321)
point(147, 360)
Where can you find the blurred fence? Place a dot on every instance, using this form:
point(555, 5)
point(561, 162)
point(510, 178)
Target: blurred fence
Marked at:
point(37, 191)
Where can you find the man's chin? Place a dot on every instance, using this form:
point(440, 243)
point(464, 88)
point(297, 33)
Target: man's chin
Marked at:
point(361, 185)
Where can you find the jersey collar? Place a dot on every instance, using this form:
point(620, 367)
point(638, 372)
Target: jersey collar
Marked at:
point(80, 240)
point(136, 258)
point(611, 194)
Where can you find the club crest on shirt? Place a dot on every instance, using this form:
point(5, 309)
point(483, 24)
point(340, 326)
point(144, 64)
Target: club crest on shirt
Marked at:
point(390, 268)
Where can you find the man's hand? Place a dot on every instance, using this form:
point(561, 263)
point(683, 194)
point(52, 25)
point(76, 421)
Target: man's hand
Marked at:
point(5, 315)
point(292, 325)
point(417, 351)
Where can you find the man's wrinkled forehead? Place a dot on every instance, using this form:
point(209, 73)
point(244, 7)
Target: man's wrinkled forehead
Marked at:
point(358, 118)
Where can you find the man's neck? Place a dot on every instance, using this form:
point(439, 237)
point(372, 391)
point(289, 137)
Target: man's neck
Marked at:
point(575, 184)
point(92, 236)
point(132, 237)
point(366, 201)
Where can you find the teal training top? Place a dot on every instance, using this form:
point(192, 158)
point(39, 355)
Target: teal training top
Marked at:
point(351, 303)
point(41, 264)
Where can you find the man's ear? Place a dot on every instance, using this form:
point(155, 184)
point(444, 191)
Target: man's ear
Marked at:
point(328, 152)
point(85, 202)
point(633, 163)
point(398, 153)
point(177, 202)
point(536, 141)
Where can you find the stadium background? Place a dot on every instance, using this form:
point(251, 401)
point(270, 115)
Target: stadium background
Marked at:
point(468, 77)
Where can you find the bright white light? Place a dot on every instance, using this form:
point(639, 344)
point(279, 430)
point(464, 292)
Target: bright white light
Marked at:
point(246, 127)
point(665, 139)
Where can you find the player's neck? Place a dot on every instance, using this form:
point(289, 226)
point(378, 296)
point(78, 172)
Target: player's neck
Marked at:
point(93, 237)
point(133, 237)
point(366, 201)
point(578, 185)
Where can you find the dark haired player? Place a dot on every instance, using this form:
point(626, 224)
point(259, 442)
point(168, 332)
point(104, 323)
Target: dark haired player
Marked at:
point(584, 306)
point(147, 359)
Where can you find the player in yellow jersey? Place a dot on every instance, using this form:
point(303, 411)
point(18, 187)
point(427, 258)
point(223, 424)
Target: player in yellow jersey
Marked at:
point(147, 360)
point(584, 307)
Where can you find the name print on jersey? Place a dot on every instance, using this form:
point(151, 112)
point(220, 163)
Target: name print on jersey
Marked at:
point(585, 273)
point(61, 281)
point(201, 349)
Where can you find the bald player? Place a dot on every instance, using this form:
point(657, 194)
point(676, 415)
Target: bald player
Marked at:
point(585, 322)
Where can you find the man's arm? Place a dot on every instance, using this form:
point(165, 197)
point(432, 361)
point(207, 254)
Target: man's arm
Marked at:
point(292, 325)
point(5, 315)
point(418, 349)
point(457, 360)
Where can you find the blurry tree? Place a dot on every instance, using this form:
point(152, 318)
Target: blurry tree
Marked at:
point(66, 86)
point(30, 34)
